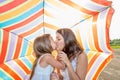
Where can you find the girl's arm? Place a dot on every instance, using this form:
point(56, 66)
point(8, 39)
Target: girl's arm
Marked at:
point(81, 69)
point(53, 62)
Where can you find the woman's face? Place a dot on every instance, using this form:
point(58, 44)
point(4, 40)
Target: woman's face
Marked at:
point(59, 42)
point(52, 43)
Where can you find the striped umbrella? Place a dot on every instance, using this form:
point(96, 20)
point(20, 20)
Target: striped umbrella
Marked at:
point(21, 21)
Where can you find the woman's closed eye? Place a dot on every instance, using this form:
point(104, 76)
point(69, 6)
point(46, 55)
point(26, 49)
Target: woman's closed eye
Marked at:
point(58, 39)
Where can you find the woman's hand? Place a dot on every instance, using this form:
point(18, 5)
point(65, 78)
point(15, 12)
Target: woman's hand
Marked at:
point(63, 57)
point(54, 76)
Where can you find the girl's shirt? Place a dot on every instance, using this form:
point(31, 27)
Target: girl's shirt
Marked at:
point(42, 73)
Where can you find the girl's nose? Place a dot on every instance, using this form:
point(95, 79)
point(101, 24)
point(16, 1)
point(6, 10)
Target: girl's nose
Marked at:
point(55, 41)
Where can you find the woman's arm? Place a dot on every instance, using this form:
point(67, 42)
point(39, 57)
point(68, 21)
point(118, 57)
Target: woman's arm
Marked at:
point(53, 62)
point(81, 68)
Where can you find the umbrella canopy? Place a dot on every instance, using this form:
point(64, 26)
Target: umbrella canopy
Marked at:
point(21, 21)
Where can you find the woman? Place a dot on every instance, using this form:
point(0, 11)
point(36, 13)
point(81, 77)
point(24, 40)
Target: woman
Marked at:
point(72, 55)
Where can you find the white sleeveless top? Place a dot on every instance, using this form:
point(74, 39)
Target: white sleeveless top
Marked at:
point(42, 73)
point(64, 73)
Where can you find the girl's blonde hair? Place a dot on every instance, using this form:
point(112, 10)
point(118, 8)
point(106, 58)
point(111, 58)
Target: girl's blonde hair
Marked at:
point(41, 46)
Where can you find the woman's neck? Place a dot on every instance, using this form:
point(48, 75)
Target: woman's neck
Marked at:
point(74, 56)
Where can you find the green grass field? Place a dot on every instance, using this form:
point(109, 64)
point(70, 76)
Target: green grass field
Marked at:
point(115, 47)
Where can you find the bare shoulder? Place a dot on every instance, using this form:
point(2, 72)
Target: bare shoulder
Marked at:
point(48, 56)
point(82, 56)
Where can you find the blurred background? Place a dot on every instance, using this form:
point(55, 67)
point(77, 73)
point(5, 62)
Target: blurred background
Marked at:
point(112, 70)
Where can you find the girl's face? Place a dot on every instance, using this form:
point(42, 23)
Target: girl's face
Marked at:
point(59, 42)
point(52, 43)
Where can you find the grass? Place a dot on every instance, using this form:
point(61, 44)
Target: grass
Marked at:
point(115, 47)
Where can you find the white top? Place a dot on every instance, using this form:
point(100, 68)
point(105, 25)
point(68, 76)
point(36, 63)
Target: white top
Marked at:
point(65, 74)
point(42, 73)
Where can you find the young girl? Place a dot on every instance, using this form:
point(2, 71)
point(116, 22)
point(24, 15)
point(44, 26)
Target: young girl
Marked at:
point(45, 62)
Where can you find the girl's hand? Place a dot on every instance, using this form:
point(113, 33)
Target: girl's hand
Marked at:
point(63, 57)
